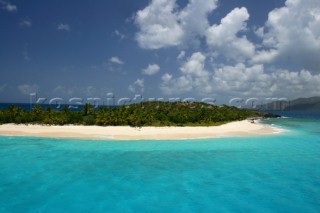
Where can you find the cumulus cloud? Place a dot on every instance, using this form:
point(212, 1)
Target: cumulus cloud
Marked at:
point(224, 38)
point(116, 60)
point(194, 19)
point(137, 86)
point(63, 27)
point(8, 6)
point(26, 89)
point(179, 85)
point(193, 76)
point(151, 69)
point(195, 65)
point(238, 66)
point(158, 25)
point(256, 81)
point(292, 33)
point(161, 24)
point(166, 77)
point(239, 80)
point(181, 55)
point(265, 56)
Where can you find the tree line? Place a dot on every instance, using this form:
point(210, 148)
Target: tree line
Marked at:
point(141, 114)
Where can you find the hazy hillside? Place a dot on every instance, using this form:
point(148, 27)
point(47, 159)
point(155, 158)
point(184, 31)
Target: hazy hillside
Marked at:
point(312, 103)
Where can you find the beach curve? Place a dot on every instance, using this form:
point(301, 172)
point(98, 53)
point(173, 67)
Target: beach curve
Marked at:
point(243, 128)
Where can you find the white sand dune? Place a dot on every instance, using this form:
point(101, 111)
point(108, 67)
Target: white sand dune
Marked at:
point(233, 129)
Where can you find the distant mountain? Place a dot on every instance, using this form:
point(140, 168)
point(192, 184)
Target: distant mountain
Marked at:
point(312, 103)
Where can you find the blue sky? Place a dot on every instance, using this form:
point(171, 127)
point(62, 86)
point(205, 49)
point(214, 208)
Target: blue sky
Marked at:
point(159, 48)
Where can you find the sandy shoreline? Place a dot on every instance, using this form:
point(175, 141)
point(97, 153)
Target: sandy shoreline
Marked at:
point(233, 129)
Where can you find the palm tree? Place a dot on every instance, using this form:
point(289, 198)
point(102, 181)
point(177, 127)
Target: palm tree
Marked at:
point(87, 109)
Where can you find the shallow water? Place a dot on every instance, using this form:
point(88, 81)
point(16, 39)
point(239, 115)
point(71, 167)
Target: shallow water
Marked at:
point(279, 173)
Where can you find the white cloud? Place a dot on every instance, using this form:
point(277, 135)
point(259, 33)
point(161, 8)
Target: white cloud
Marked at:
point(166, 77)
point(161, 24)
point(296, 84)
point(239, 80)
point(292, 33)
point(62, 91)
point(116, 60)
point(63, 27)
point(25, 23)
point(131, 88)
point(255, 81)
point(119, 34)
point(151, 69)
point(137, 86)
point(194, 20)
point(224, 39)
point(80, 91)
point(193, 76)
point(180, 85)
point(265, 56)
point(26, 89)
point(181, 55)
point(259, 32)
point(139, 82)
point(90, 91)
point(242, 81)
point(8, 6)
point(113, 64)
point(158, 25)
point(195, 65)
point(11, 8)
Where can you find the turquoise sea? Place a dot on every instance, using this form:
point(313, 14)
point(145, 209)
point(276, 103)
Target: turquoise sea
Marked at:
point(279, 173)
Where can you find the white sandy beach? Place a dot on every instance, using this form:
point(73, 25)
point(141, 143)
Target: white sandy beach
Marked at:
point(233, 129)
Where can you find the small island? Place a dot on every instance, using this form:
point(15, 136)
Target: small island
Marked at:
point(146, 120)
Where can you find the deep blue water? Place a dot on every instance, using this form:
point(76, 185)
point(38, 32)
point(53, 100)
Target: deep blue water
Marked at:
point(28, 106)
point(279, 173)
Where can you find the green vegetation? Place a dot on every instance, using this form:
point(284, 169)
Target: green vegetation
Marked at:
point(142, 114)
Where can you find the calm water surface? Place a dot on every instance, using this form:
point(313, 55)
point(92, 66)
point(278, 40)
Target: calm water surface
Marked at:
point(279, 173)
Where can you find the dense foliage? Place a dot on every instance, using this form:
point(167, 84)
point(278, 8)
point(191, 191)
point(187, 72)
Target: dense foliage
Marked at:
point(142, 114)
